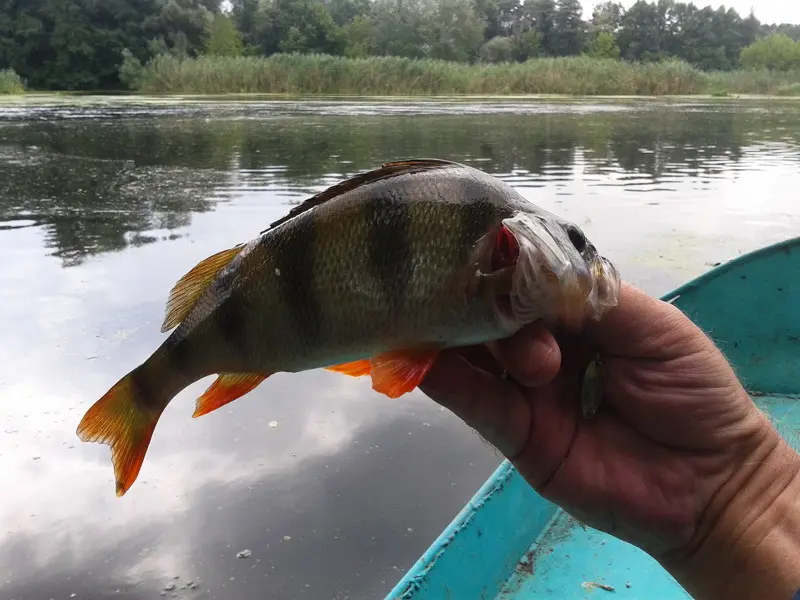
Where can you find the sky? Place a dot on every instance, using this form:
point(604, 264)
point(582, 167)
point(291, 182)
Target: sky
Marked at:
point(767, 11)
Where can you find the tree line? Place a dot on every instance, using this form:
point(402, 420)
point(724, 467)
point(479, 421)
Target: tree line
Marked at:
point(93, 45)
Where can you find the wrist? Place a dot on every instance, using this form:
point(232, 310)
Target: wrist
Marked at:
point(747, 544)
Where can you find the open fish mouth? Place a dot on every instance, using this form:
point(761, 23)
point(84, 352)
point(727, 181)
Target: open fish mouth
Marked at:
point(552, 278)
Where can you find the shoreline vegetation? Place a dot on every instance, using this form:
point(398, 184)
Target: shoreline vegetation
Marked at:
point(395, 48)
point(10, 83)
point(319, 74)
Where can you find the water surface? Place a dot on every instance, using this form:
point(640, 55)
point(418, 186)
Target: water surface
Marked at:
point(333, 489)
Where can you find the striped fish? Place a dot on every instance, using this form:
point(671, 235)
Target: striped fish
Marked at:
point(373, 276)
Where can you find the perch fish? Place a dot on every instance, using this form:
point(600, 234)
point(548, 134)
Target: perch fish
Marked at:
point(373, 276)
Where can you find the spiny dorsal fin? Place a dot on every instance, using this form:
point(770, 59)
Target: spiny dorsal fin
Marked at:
point(388, 169)
point(187, 291)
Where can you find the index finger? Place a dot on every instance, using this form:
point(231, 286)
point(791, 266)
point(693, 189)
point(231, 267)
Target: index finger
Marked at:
point(494, 407)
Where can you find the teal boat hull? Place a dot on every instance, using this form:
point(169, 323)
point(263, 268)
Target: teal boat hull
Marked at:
point(510, 543)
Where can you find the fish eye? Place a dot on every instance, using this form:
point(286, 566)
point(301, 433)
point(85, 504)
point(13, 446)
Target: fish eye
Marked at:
point(576, 237)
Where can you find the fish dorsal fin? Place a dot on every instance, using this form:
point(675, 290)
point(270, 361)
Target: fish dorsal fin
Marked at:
point(388, 169)
point(187, 291)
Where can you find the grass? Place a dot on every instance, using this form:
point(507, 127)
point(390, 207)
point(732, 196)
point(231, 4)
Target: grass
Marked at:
point(336, 75)
point(10, 82)
point(789, 90)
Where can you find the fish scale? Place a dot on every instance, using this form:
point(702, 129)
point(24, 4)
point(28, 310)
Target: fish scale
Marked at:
point(374, 276)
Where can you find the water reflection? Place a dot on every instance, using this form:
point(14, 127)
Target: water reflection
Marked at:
point(98, 185)
point(102, 208)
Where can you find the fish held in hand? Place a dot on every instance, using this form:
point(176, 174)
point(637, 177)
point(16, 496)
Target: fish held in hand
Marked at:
point(372, 277)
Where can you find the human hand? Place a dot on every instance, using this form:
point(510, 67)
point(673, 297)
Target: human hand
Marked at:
point(675, 441)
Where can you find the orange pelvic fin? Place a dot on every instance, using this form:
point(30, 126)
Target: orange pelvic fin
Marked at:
point(189, 288)
point(357, 368)
point(227, 388)
point(124, 422)
point(400, 371)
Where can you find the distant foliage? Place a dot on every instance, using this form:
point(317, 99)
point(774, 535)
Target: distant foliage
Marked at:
point(10, 82)
point(78, 44)
point(224, 39)
point(102, 44)
point(131, 71)
point(499, 49)
point(777, 51)
point(604, 45)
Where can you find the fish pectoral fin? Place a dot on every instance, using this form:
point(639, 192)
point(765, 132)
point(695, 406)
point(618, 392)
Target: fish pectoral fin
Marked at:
point(357, 368)
point(227, 388)
point(187, 290)
point(400, 371)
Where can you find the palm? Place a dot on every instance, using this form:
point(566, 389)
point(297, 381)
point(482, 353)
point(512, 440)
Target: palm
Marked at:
point(648, 463)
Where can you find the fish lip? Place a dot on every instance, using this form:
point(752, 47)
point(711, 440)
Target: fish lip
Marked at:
point(555, 282)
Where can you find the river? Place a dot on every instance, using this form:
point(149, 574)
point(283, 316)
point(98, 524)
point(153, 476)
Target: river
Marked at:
point(312, 486)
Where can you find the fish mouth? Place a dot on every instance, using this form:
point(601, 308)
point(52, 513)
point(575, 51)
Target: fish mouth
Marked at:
point(555, 282)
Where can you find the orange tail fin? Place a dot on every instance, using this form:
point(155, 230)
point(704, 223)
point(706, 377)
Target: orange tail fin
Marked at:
point(124, 421)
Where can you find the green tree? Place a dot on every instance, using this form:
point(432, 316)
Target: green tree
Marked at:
point(358, 38)
point(607, 16)
point(777, 51)
point(343, 12)
point(303, 26)
point(250, 19)
point(527, 44)
point(502, 17)
point(604, 45)
point(224, 39)
point(78, 44)
point(641, 32)
point(457, 30)
point(541, 15)
point(569, 28)
point(402, 28)
point(499, 49)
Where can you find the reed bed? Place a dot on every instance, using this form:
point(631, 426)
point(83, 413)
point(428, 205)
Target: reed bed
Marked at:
point(314, 74)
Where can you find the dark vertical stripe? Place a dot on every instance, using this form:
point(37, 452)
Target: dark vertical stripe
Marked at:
point(230, 319)
point(477, 216)
point(180, 353)
point(294, 259)
point(388, 222)
point(148, 393)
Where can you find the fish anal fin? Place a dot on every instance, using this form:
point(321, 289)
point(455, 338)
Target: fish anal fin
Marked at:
point(187, 290)
point(225, 389)
point(357, 368)
point(400, 371)
point(388, 169)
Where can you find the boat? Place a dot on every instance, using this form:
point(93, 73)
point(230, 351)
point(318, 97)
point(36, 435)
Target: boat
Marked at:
point(509, 543)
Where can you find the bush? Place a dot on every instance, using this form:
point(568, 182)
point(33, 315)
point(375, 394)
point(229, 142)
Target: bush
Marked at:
point(775, 52)
point(10, 82)
point(131, 71)
point(497, 50)
point(789, 90)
